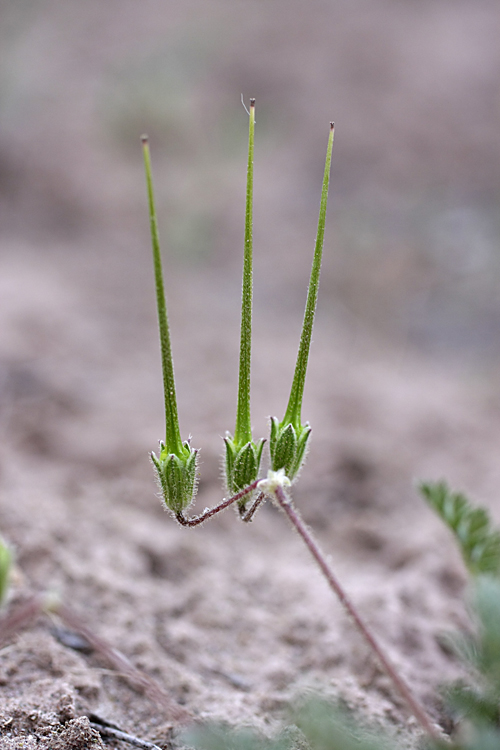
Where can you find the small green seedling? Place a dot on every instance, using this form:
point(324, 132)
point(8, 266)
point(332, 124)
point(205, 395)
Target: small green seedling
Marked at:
point(242, 454)
point(289, 438)
point(314, 724)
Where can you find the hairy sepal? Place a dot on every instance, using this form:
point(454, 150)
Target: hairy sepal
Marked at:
point(288, 447)
point(177, 477)
point(242, 465)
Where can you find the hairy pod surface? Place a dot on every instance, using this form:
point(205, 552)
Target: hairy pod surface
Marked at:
point(242, 465)
point(288, 447)
point(177, 477)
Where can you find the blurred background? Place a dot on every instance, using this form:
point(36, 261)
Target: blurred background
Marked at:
point(412, 260)
point(412, 242)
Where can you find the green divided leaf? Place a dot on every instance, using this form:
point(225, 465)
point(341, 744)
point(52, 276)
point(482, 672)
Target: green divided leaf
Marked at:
point(479, 541)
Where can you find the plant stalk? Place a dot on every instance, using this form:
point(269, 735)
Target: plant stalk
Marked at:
point(173, 440)
point(247, 515)
point(402, 688)
point(196, 520)
point(294, 408)
point(243, 428)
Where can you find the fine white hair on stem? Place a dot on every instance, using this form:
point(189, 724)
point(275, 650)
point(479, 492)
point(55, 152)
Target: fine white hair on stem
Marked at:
point(245, 107)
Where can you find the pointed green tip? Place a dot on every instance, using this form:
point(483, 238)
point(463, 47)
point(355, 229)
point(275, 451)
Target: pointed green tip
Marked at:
point(173, 438)
point(243, 427)
point(294, 407)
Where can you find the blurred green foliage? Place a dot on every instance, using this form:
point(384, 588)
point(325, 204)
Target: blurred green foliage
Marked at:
point(479, 542)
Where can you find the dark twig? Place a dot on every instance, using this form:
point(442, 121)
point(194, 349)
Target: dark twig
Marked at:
point(404, 691)
point(139, 680)
point(123, 736)
point(212, 511)
point(20, 616)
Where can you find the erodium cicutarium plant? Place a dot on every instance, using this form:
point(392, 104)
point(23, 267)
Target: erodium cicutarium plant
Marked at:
point(176, 463)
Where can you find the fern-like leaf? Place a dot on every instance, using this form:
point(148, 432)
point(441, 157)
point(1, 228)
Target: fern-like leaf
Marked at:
point(479, 542)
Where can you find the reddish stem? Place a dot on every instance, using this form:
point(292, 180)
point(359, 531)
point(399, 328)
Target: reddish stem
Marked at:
point(247, 515)
point(212, 511)
point(401, 686)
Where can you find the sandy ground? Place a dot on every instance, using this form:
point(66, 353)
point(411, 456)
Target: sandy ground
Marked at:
point(232, 620)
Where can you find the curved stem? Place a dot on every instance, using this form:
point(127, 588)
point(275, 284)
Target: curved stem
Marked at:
point(184, 521)
point(404, 691)
point(247, 515)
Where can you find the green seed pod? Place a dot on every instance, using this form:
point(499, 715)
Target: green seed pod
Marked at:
point(242, 454)
point(176, 464)
point(177, 477)
point(288, 450)
point(242, 465)
point(289, 438)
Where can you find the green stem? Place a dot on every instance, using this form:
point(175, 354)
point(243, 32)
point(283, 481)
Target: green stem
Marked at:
point(243, 429)
point(294, 408)
point(173, 440)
